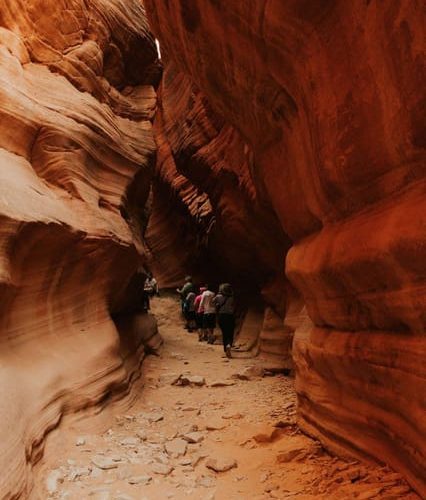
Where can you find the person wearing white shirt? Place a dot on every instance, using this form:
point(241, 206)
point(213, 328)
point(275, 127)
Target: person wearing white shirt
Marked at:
point(209, 314)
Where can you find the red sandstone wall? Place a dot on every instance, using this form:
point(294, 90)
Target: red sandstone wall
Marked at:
point(210, 215)
point(196, 147)
point(328, 96)
point(76, 149)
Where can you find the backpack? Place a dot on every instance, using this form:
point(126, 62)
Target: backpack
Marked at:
point(185, 306)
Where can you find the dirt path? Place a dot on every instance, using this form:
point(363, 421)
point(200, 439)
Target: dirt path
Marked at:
point(170, 439)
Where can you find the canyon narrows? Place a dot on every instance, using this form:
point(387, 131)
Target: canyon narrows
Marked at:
point(279, 145)
point(306, 120)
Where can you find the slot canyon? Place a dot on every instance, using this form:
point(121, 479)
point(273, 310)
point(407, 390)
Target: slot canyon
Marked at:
point(277, 145)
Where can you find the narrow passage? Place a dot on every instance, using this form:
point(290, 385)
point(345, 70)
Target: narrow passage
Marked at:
point(223, 431)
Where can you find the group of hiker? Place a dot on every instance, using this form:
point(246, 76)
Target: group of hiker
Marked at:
point(201, 308)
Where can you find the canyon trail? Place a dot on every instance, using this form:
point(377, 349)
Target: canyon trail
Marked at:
point(165, 439)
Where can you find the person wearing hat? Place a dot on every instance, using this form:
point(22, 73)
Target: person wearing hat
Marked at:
point(183, 292)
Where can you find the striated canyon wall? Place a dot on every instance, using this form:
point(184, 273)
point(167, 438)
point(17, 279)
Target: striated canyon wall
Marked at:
point(77, 152)
point(210, 213)
point(295, 132)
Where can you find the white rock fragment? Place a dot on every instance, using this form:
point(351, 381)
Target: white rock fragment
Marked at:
point(53, 480)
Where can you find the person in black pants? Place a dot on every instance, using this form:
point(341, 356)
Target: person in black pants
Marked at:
point(225, 305)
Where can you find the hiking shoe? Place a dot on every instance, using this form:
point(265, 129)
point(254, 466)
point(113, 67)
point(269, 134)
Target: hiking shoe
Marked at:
point(228, 351)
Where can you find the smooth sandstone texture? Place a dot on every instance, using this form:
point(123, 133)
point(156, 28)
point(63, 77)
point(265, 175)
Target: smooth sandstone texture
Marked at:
point(328, 98)
point(76, 155)
point(210, 216)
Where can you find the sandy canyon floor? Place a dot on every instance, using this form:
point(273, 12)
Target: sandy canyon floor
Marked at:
point(234, 436)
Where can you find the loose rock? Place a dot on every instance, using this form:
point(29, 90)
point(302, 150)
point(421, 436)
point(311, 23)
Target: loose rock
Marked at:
point(249, 373)
point(139, 479)
point(268, 436)
point(190, 380)
point(234, 416)
point(215, 425)
point(155, 417)
point(104, 463)
point(193, 437)
point(298, 449)
point(130, 442)
point(221, 464)
point(162, 469)
point(222, 383)
point(176, 448)
point(77, 472)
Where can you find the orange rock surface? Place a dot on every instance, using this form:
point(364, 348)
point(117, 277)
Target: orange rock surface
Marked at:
point(76, 153)
point(210, 215)
point(327, 98)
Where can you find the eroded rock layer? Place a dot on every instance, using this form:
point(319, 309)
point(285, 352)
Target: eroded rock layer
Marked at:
point(76, 154)
point(210, 215)
point(327, 100)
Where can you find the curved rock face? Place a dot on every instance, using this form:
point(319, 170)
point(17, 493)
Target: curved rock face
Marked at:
point(76, 154)
point(327, 98)
point(210, 213)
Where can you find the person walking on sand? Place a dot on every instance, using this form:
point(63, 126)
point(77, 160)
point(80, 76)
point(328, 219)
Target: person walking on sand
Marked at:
point(199, 315)
point(189, 311)
point(151, 286)
point(225, 306)
point(183, 292)
point(209, 314)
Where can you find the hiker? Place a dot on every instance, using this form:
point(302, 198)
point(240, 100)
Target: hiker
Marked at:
point(199, 315)
point(137, 285)
point(189, 311)
point(183, 292)
point(209, 314)
point(151, 286)
point(225, 306)
point(186, 288)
